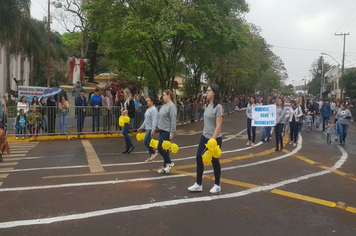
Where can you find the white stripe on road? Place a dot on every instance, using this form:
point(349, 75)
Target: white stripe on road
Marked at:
point(117, 164)
point(138, 179)
point(86, 215)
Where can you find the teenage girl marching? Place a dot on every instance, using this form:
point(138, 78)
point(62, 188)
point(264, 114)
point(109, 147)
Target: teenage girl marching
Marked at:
point(149, 125)
point(128, 109)
point(167, 122)
point(250, 106)
point(213, 117)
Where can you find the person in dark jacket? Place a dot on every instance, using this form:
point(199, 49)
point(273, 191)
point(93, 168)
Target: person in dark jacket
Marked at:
point(77, 90)
point(80, 110)
point(325, 113)
point(96, 102)
point(52, 113)
point(128, 110)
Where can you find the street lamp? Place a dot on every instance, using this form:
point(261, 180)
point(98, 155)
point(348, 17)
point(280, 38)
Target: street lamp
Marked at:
point(323, 53)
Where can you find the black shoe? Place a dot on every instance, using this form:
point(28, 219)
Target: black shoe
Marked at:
point(131, 149)
point(268, 140)
point(262, 140)
point(126, 150)
point(276, 149)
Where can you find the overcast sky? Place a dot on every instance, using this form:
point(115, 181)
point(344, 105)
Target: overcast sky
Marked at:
point(299, 30)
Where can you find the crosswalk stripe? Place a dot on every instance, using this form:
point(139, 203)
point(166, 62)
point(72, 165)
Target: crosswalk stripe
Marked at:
point(12, 159)
point(8, 164)
point(19, 152)
point(16, 155)
point(6, 169)
point(0, 184)
point(3, 176)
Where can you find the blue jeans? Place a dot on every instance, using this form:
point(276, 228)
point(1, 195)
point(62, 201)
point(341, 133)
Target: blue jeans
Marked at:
point(336, 129)
point(249, 128)
point(18, 128)
point(63, 122)
point(215, 161)
point(266, 133)
point(342, 132)
point(164, 135)
point(147, 140)
point(125, 132)
point(80, 121)
point(325, 122)
point(96, 118)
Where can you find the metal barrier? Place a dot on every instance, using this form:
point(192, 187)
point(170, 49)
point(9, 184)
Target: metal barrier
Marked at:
point(88, 120)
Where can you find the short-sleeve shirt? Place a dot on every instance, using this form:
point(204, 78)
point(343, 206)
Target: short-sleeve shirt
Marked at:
point(137, 103)
point(210, 116)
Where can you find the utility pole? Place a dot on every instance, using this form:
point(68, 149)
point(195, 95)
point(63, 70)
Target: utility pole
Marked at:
point(343, 57)
point(321, 76)
point(48, 42)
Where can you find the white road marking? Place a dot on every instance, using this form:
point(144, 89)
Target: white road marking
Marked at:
point(137, 179)
point(123, 164)
point(86, 215)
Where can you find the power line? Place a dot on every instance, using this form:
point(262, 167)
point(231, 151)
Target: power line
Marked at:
point(341, 25)
point(302, 49)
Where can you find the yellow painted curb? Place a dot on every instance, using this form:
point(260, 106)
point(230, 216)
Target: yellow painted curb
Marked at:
point(66, 137)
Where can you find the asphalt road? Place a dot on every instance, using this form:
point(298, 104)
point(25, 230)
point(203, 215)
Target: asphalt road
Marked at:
point(56, 187)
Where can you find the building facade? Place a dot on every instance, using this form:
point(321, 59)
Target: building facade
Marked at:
point(16, 71)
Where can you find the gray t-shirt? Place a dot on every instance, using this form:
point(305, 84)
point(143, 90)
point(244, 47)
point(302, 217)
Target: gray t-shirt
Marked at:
point(167, 120)
point(210, 116)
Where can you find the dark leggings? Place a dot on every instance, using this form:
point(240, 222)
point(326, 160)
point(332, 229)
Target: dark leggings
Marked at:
point(164, 135)
point(279, 139)
point(215, 161)
point(294, 131)
point(249, 121)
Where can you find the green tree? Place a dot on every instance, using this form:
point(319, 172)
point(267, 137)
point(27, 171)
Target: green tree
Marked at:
point(348, 81)
point(161, 30)
point(317, 67)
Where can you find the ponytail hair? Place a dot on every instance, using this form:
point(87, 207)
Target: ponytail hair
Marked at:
point(128, 93)
point(215, 89)
point(169, 92)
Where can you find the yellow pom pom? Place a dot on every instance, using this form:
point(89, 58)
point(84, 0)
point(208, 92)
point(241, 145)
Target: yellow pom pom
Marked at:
point(174, 148)
point(207, 157)
point(127, 119)
point(139, 137)
point(166, 145)
point(152, 143)
point(211, 144)
point(143, 135)
point(155, 144)
point(216, 152)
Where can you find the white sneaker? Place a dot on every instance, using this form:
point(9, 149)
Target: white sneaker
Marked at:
point(168, 167)
point(215, 189)
point(17, 138)
point(195, 188)
point(161, 171)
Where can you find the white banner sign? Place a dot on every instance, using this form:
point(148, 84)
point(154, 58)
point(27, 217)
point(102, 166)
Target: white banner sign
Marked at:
point(29, 92)
point(264, 115)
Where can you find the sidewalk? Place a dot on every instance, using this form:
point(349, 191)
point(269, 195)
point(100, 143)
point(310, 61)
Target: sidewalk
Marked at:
point(73, 137)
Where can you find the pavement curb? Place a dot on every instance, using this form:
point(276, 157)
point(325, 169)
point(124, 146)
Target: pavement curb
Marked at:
point(67, 137)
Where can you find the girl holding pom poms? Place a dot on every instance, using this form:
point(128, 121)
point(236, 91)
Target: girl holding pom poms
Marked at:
point(150, 124)
point(213, 117)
